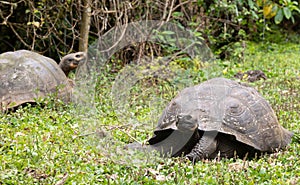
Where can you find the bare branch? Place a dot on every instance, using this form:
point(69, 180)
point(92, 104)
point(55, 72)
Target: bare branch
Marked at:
point(19, 37)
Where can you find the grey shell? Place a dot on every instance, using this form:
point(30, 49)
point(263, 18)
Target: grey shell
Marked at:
point(27, 75)
point(226, 106)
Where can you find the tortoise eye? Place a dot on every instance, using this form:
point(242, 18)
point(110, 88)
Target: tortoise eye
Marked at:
point(188, 117)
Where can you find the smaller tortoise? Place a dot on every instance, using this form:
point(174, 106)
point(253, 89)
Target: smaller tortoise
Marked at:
point(26, 76)
point(219, 117)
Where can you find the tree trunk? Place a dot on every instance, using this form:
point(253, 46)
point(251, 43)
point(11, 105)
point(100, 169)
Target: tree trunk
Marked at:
point(85, 26)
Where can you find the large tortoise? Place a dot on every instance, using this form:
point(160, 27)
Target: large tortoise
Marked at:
point(26, 75)
point(219, 117)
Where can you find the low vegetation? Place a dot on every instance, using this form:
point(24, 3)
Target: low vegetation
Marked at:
point(45, 143)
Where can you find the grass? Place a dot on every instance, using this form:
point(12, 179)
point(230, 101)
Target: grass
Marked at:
point(45, 145)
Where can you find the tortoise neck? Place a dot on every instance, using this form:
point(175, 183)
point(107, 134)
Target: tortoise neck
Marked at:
point(64, 68)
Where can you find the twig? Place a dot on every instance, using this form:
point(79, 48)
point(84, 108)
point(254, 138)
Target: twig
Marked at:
point(221, 20)
point(121, 37)
point(182, 3)
point(171, 10)
point(63, 179)
point(16, 33)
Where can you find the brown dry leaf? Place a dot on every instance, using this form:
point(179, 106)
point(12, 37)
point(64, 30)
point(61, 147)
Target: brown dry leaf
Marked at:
point(238, 166)
point(62, 180)
point(155, 174)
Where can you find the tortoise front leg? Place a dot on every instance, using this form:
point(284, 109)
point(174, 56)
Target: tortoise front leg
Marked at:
point(206, 146)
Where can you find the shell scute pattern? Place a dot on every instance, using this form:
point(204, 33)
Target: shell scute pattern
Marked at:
point(26, 75)
point(227, 107)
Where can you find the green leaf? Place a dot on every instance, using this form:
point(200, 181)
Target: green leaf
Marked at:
point(295, 8)
point(259, 2)
point(287, 12)
point(167, 32)
point(177, 14)
point(293, 20)
point(279, 16)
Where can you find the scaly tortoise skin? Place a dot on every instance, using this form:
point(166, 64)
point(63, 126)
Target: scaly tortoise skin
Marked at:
point(26, 76)
point(219, 117)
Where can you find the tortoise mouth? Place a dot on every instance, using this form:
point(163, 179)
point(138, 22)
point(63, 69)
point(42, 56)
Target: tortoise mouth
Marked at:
point(74, 65)
point(186, 123)
point(79, 62)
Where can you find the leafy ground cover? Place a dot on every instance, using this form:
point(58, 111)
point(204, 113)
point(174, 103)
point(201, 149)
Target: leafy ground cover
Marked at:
point(45, 145)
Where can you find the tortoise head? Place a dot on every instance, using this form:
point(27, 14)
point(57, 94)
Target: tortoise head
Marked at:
point(71, 61)
point(187, 122)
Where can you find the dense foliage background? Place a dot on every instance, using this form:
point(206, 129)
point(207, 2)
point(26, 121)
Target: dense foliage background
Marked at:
point(53, 27)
